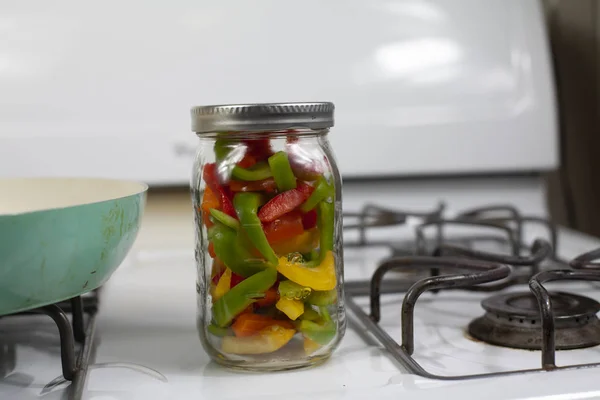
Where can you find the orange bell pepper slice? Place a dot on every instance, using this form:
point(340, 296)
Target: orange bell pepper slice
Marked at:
point(251, 324)
point(209, 200)
point(268, 340)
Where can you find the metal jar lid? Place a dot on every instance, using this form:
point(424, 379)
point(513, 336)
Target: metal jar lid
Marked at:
point(262, 116)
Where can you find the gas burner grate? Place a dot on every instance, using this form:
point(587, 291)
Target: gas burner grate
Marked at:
point(459, 264)
point(75, 330)
point(373, 216)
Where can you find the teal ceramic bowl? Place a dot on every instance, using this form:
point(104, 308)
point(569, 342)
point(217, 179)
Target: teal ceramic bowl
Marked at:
point(60, 238)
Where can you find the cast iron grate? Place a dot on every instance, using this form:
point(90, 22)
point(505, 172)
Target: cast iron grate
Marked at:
point(71, 331)
point(463, 267)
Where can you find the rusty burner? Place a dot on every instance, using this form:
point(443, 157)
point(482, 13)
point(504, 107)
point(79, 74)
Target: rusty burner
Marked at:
point(513, 320)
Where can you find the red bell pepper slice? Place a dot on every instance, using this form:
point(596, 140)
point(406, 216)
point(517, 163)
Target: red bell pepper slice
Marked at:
point(209, 175)
point(248, 161)
point(217, 276)
point(285, 202)
point(285, 227)
point(260, 149)
point(309, 219)
point(235, 279)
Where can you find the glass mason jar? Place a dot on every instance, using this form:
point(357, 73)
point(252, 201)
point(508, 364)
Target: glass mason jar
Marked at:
point(267, 198)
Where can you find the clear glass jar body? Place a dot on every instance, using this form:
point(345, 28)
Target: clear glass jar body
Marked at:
point(268, 221)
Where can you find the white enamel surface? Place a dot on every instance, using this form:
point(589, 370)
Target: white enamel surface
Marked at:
point(36, 194)
point(421, 87)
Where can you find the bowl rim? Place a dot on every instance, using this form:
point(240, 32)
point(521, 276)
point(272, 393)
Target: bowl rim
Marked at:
point(141, 189)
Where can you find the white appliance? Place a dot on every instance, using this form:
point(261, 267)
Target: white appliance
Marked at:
point(421, 88)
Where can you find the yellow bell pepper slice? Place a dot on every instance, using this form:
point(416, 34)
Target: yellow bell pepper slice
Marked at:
point(321, 277)
point(268, 340)
point(223, 285)
point(290, 307)
point(310, 346)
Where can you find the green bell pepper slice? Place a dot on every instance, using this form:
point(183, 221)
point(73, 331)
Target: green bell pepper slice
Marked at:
point(319, 333)
point(291, 290)
point(230, 249)
point(322, 298)
point(310, 314)
point(225, 219)
point(325, 222)
point(218, 331)
point(246, 205)
point(257, 172)
point(241, 296)
point(322, 191)
point(282, 171)
point(222, 148)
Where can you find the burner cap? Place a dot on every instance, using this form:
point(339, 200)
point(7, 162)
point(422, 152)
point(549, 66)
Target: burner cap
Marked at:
point(513, 320)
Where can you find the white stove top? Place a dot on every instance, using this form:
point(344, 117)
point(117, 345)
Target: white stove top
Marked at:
point(162, 335)
point(147, 347)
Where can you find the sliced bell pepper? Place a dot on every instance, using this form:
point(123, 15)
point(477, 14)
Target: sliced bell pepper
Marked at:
point(319, 333)
point(326, 227)
point(284, 202)
point(271, 297)
point(310, 314)
point(322, 191)
point(217, 331)
point(284, 228)
point(209, 201)
point(292, 308)
point(257, 172)
point(313, 255)
point(225, 219)
point(309, 219)
point(247, 162)
point(230, 250)
point(217, 270)
point(293, 291)
point(268, 340)
point(250, 324)
point(209, 174)
point(223, 147)
point(282, 172)
point(237, 299)
point(303, 243)
point(321, 277)
point(235, 279)
point(322, 298)
point(310, 346)
point(246, 205)
point(259, 148)
point(266, 185)
point(302, 161)
point(325, 314)
point(211, 250)
point(223, 286)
